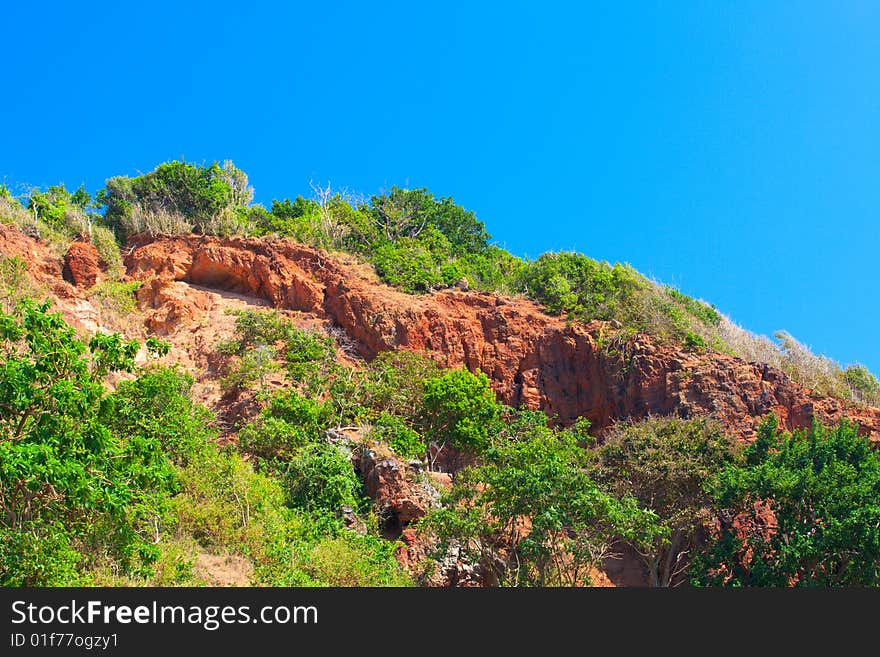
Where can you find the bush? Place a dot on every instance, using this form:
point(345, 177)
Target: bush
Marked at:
point(393, 431)
point(105, 242)
point(806, 510)
point(68, 478)
point(15, 284)
point(157, 406)
point(351, 560)
point(460, 408)
point(537, 480)
point(663, 463)
point(174, 196)
point(862, 383)
point(118, 297)
point(274, 439)
point(395, 382)
point(320, 477)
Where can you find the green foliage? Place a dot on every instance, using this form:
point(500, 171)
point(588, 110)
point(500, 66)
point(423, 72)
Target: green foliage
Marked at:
point(408, 212)
point(663, 463)
point(580, 286)
point(157, 407)
point(351, 560)
point(395, 382)
point(288, 438)
point(118, 297)
point(694, 341)
point(252, 367)
point(127, 487)
point(255, 328)
point(460, 408)
point(405, 442)
point(309, 357)
point(61, 209)
point(412, 264)
point(15, 284)
point(807, 510)
point(289, 423)
point(311, 360)
point(705, 313)
point(105, 242)
point(534, 500)
point(863, 383)
point(209, 198)
point(73, 490)
point(320, 477)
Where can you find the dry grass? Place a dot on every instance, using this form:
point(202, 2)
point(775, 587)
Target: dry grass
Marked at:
point(156, 222)
point(816, 372)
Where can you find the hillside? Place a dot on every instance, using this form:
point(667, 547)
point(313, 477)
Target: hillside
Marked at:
point(309, 407)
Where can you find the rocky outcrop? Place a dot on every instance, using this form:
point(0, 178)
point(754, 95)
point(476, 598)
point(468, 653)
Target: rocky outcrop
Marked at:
point(82, 265)
point(169, 304)
point(400, 491)
point(533, 359)
point(43, 267)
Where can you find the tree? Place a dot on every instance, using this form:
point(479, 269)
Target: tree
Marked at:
point(407, 212)
point(802, 509)
point(664, 463)
point(63, 210)
point(532, 515)
point(206, 197)
point(71, 489)
point(459, 408)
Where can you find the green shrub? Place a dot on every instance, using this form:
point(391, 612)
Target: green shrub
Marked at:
point(320, 477)
point(274, 439)
point(704, 312)
point(460, 408)
point(157, 407)
point(821, 488)
point(116, 296)
point(395, 382)
point(105, 242)
point(664, 463)
point(15, 284)
point(538, 477)
point(252, 367)
point(205, 197)
point(351, 560)
point(393, 431)
point(694, 341)
point(255, 328)
point(68, 478)
point(863, 383)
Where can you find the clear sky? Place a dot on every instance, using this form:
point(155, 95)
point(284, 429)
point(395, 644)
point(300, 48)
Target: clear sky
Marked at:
point(729, 148)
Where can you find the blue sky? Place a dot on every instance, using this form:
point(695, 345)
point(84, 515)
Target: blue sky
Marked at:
point(731, 149)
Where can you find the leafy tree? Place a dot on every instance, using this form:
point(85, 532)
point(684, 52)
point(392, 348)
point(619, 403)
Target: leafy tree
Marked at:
point(321, 477)
point(862, 383)
point(156, 408)
point(532, 515)
point(459, 408)
point(62, 210)
point(200, 194)
point(405, 441)
point(72, 490)
point(395, 382)
point(663, 463)
point(802, 509)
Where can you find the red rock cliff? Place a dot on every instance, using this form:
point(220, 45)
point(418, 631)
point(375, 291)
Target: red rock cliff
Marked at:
point(533, 359)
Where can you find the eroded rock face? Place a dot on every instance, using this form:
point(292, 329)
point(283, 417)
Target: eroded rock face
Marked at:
point(82, 265)
point(170, 304)
point(533, 359)
point(42, 266)
point(400, 492)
